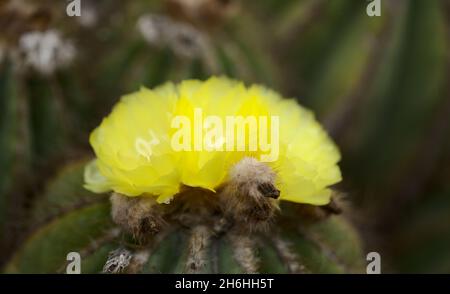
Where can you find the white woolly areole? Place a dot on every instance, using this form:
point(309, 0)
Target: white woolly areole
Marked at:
point(150, 27)
point(185, 40)
point(89, 15)
point(45, 51)
point(251, 170)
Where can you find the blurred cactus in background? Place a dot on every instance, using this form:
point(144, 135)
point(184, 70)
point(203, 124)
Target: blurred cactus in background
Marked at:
point(378, 84)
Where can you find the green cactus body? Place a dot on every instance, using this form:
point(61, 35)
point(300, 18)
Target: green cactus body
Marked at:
point(70, 219)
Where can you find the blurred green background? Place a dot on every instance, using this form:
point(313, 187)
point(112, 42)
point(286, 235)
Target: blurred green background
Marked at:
point(380, 86)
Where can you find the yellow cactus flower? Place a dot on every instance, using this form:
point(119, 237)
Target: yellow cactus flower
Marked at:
point(192, 133)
